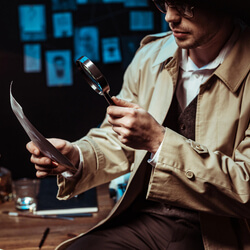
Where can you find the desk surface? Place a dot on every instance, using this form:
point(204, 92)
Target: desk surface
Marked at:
point(25, 233)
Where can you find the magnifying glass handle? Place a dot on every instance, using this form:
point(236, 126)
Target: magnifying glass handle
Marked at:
point(108, 98)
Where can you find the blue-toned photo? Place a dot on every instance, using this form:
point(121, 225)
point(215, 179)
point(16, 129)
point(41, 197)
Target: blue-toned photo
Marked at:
point(141, 20)
point(62, 24)
point(32, 58)
point(32, 22)
point(81, 1)
point(111, 52)
point(86, 42)
point(58, 68)
point(136, 3)
point(63, 4)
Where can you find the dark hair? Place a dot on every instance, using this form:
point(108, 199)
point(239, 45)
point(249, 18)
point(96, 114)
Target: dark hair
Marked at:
point(57, 58)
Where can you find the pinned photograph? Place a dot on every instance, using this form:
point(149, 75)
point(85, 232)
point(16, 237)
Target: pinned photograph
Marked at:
point(81, 1)
point(111, 52)
point(141, 20)
point(58, 68)
point(137, 3)
point(63, 4)
point(86, 42)
point(32, 58)
point(62, 25)
point(32, 22)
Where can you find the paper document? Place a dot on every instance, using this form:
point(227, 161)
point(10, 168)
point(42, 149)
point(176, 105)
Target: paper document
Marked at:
point(38, 139)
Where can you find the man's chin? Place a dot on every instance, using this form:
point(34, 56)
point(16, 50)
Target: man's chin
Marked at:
point(185, 44)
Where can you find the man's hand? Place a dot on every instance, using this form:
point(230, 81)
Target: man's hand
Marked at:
point(44, 165)
point(135, 127)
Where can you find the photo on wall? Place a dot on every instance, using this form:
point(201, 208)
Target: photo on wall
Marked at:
point(32, 22)
point(58, 68)
point(111, 52)
point(141, 20)
point(63, 5)
point(62, 24)
point(32, 58)
point(137, 3)
point(86, 43)
point(81, 1)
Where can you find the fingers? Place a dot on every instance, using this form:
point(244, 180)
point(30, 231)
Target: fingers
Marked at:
point(116, 112)
point(123, 103)
point(32, 148)
point(45, 173)
point(43, 165)
point(123, 115)
point(40, 160)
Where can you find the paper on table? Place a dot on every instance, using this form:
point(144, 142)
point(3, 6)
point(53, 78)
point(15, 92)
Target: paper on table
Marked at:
point(39, 140)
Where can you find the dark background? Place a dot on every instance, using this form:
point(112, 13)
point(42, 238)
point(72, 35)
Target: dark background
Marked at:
point(63, 112)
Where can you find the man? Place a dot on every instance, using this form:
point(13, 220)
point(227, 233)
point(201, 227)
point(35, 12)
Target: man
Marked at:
point(181, 126)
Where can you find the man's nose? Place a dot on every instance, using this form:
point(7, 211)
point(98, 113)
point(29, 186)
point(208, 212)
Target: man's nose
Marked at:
point(172, 15)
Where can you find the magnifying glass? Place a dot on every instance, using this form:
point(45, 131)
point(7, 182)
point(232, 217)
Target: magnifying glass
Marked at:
point(94, 78)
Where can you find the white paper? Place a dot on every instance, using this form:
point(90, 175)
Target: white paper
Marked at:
point(38, 139)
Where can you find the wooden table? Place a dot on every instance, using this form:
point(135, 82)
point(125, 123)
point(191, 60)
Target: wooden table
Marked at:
point(25, 233)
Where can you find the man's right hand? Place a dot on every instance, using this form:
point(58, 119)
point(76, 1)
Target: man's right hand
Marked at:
point(44, 165)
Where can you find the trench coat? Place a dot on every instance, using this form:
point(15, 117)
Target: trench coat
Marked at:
point(211, 174)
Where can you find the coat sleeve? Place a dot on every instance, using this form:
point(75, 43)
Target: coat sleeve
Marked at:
point(104, 159)
point(104, 156)
point(189, 175)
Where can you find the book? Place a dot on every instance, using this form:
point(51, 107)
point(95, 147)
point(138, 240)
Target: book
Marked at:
point(48, 204)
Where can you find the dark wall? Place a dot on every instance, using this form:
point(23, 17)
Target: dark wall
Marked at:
point(64, 112)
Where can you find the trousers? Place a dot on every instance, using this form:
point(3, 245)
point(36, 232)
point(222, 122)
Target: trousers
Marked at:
point(143, 231)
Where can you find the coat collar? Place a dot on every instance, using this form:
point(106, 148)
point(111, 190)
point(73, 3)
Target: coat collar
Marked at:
point(236, 61)
point(167, 51)
point(236, 66)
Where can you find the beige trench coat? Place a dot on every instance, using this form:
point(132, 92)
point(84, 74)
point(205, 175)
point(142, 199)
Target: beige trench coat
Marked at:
point(212, 174)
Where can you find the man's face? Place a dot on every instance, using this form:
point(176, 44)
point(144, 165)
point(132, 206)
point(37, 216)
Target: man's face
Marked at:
point(199, 31)
point(59, 64)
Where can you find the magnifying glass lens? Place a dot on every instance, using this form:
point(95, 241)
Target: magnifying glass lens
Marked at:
point(94, 78)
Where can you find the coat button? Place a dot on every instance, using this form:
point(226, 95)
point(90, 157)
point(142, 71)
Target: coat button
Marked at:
point(189, 174)
point(198, 147)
